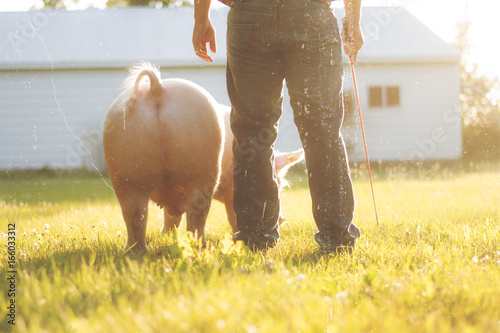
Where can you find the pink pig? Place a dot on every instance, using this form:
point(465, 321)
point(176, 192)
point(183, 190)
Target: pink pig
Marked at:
point(224, 191)
point(170, 141)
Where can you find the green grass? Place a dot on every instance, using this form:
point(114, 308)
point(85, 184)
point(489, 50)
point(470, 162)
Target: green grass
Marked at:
point(433, 265)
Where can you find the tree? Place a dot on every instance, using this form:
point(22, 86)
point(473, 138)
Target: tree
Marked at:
point(60, 4)
point(57, 4)
point(150, 3)
point(480, 109)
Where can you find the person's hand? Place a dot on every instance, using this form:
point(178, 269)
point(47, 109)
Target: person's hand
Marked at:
point(352, 38)
point(204, 33)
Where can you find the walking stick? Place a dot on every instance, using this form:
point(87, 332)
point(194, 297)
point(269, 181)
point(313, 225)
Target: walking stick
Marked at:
point(364, 138)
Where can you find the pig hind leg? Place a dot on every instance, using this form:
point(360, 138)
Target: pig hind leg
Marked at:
point(134, 205)
point(199, 199)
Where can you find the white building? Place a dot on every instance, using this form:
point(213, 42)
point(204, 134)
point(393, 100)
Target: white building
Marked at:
point(60, 71)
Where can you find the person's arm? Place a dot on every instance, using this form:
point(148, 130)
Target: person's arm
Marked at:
point(203, 31)
point(351, 32)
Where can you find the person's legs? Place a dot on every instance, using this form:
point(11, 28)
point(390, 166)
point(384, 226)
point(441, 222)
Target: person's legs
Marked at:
point(314, 72)
point(254, 82)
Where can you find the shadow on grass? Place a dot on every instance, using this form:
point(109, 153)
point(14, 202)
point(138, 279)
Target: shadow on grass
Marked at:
point(178, 253)
point(101, 253)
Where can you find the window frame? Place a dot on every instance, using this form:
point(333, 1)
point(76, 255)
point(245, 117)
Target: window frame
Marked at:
point(384, 96)
point(393, 100)
point(378, 100)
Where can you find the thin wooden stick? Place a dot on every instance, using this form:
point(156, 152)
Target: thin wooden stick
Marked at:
point(364, 138)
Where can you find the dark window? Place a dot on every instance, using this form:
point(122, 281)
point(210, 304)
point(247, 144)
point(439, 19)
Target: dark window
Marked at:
point(393, 96)
point(375, 96)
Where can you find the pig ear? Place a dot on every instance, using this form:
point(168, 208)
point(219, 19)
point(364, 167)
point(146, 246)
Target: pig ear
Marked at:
point(282, 161)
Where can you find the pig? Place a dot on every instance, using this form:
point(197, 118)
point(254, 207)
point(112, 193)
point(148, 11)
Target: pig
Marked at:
point(163, 139)
point(224, 191)
point(171, 142)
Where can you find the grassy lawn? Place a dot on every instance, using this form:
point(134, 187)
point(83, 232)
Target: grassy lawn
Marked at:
point(433, 265)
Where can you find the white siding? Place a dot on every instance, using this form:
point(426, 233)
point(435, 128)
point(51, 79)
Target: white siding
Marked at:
point(426, 125)
point(45, 116)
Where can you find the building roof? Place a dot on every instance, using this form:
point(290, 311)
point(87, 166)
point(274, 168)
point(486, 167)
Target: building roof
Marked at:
point(115, 38)
point(394, 35)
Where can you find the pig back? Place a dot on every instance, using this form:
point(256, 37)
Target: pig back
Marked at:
point(179, 135)
point(191, 131)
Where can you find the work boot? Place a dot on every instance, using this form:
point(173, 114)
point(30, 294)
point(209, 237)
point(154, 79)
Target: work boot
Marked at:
point(256, 241)
point(333, 244)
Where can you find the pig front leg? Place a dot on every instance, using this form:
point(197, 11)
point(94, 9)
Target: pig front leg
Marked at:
point(170, 222)
point(172, 198)
point(231, 215)
point(134, 204)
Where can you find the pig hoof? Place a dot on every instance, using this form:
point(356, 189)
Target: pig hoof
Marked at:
point(135, 249)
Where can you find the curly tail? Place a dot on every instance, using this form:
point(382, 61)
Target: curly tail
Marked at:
point(137, 76)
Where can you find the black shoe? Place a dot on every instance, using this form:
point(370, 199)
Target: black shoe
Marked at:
point(331, 245)
point(256, 241)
